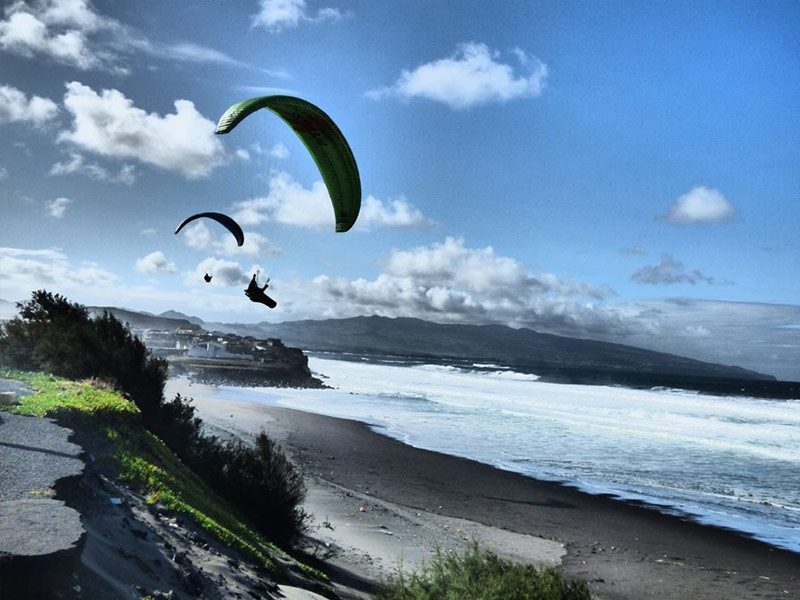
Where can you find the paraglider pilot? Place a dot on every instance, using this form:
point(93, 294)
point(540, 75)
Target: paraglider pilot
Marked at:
point(256, 293)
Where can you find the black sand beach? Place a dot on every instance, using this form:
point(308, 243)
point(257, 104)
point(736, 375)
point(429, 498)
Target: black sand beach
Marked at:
point(624, 550)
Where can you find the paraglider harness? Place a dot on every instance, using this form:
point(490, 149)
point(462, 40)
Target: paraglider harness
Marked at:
point(256, 293)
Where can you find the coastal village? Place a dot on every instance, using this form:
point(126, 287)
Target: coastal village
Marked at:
point(194, 341)
point(225, 358)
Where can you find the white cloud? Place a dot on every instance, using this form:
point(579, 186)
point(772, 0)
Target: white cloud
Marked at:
point(290, 203)
point(701, 205)
point(25, 34)
point(200, 237)
point(190, 52)
point(472, 76)
point(71, 32)
point(51, 254)
point(3, 173)
point(671, 271)
point(224, 273)
point(397, 213)
point(78, 165)
point(56, 208)
point(148, 231)
point(110, 125)
point(450, 282)
point(279, 150)
point(155, 262)
point(15, 107)
point(59, 30)
point(279, 15)
point(23, 270)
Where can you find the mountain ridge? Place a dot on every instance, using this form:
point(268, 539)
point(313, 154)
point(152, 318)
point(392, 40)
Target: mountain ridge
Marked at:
point(517, 347)
point(553, 357)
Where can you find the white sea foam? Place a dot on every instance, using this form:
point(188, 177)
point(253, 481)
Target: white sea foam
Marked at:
point(727, 461)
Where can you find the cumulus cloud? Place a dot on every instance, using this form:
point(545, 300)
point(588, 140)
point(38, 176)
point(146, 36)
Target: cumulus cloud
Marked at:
point(78, 165)
point(109, 124)
point(670, 271)
point(396, 212)
point(224, 273)
point(472, 76)
point(450, 282)
point(200, 237)
point(23, 270)
point(155, 262)
point(56, 29)
point(73, 33)
point(56, 208)
point(290, 203)
point(16, 107)
point(700, 206)
point(279, 15)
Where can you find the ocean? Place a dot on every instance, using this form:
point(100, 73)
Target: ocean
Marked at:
point(727, 461)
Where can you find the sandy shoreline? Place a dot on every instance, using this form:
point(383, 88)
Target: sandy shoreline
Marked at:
point(416, 499)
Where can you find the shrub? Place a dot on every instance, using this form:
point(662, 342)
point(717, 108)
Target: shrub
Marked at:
point(259, 480)
point(480, 575)
point(58, 336)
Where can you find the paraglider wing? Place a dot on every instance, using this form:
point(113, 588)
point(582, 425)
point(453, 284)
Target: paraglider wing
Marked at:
point(324, 141)
point(220, 218)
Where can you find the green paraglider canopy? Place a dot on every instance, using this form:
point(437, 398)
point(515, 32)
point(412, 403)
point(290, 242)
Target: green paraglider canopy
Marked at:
point(324, 141)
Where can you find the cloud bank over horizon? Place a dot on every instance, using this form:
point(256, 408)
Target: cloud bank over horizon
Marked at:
point(445, 282)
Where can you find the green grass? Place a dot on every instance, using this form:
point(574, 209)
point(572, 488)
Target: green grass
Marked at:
point(54, 394)
point(143, 460)
point(480, 575)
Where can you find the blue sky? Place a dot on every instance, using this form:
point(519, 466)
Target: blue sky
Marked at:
point(597, 169)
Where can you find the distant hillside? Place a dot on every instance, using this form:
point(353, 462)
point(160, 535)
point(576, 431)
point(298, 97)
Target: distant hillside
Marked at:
point(139, 320)
point(539, 352)
point(174, 314)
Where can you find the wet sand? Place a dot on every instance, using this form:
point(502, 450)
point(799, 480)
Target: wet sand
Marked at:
point(416, 500)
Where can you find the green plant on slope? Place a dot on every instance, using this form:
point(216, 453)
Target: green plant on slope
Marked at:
point(144, 460)
point(480, 575)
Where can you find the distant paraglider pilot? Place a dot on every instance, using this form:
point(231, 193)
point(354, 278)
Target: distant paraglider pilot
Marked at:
point(207, 277)
point(256, 293)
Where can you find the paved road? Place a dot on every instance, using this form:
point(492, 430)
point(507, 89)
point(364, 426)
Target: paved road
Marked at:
point(9, 385)
point(34, 454)
point(39, 536)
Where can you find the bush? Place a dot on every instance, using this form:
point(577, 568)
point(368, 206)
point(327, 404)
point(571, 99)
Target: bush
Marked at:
point(480, 575)
point(58, 336)
point(259, 480)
